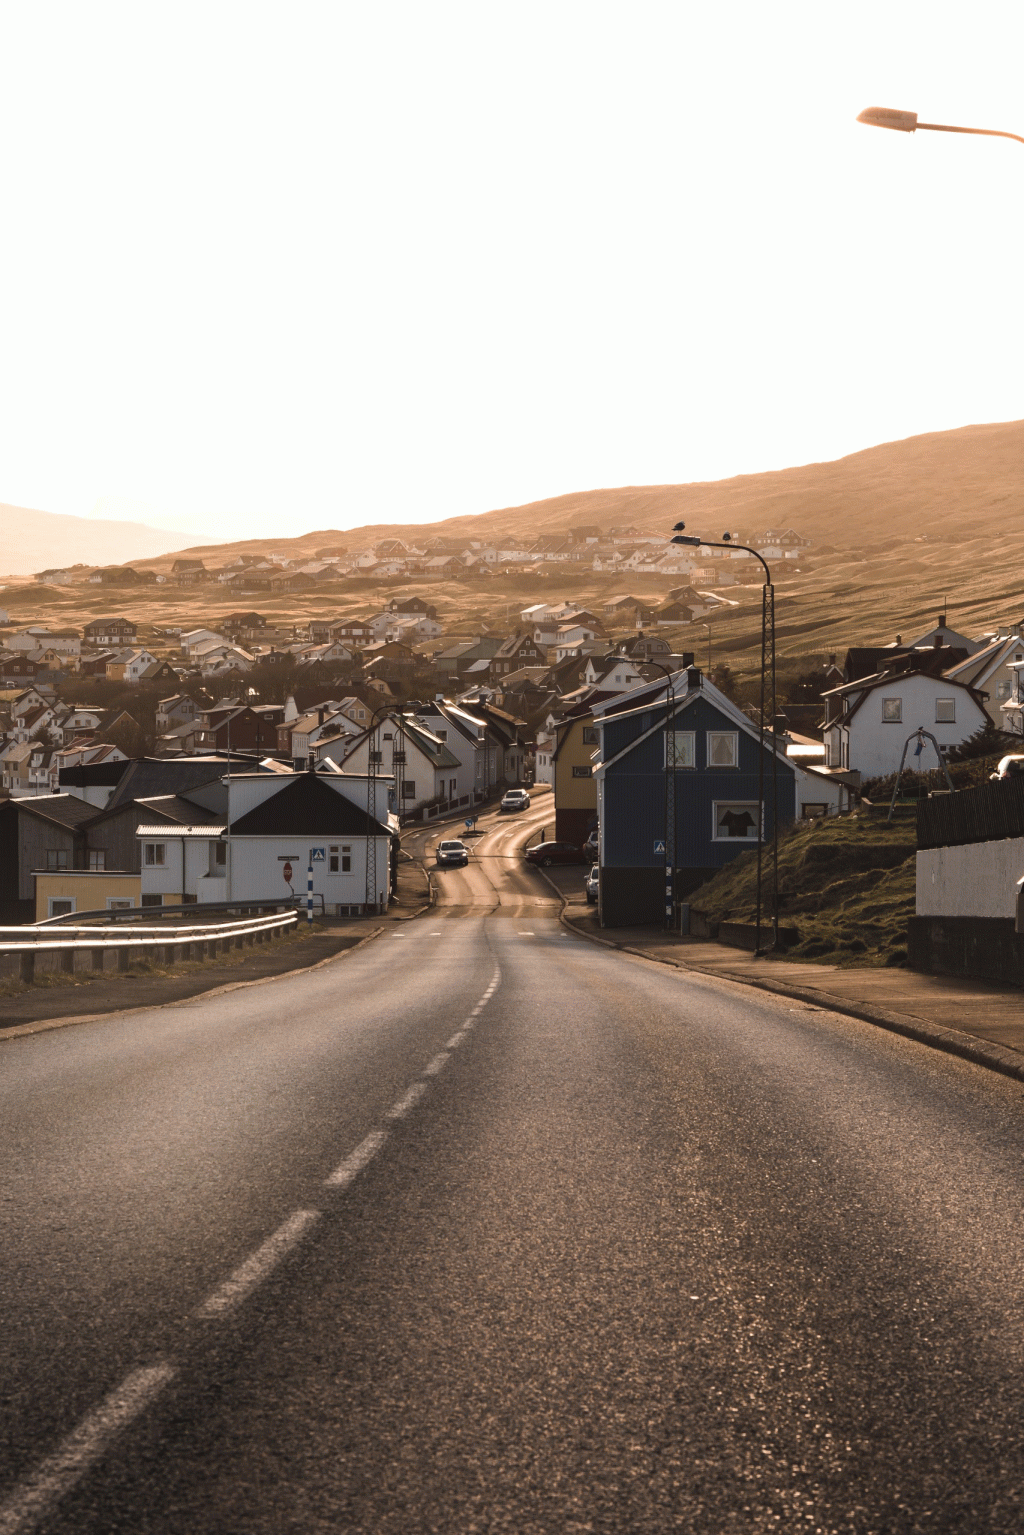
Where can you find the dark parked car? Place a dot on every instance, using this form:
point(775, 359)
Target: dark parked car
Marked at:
point(547, 853)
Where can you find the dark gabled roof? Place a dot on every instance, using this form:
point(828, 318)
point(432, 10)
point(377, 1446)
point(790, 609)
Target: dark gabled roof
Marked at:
point(65, 810)
point(103, 774)
point(171, 808)
point(308, 807)
point(147, 776)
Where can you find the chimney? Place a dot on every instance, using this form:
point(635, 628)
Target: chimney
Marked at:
point(938, 642)
point(320, 716)
point(899, 639)
point(693, 678)
point(941, 621)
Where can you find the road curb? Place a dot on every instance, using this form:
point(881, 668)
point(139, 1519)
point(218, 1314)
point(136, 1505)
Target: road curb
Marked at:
point(982, 1052)
point(46, 1025)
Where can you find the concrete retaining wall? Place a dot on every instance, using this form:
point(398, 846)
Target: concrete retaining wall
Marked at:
point(978, 879)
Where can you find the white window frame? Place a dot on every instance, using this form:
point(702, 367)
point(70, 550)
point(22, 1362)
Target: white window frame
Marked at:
point(892, 711)
point(680, 748)
point(120, 903)
point(720, 806)
point(63, 901)
point(723, 735)
point(155, 855)
point(945, 719)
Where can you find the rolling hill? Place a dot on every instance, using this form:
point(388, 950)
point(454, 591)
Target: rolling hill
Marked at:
point(31, 540)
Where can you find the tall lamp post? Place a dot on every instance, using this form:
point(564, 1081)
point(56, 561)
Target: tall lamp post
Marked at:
point(767, 682)
point(670, 789)
point(906, 122)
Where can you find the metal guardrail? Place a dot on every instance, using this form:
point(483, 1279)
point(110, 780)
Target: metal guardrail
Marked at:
point(130, 915)
point(95, 940)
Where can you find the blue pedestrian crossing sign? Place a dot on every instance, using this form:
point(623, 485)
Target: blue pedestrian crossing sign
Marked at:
point(318, 855)
point(659, 847)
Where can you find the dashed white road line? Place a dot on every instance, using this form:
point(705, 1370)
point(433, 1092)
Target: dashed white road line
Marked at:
point(256, 1267)
point(401, 1108)
point(28, 1503)
point(526, 934)
point(354, 1163)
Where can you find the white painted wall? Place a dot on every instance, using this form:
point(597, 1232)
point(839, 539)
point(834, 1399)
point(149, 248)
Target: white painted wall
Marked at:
point(875, 744)
point(979, 880)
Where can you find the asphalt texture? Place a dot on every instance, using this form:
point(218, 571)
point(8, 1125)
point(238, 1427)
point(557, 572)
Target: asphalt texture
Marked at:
point(480, 1227)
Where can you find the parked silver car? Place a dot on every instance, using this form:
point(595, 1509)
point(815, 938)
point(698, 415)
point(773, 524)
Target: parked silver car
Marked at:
point(593, 884)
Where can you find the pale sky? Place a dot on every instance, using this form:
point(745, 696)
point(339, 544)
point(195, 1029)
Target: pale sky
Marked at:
point(269, 268)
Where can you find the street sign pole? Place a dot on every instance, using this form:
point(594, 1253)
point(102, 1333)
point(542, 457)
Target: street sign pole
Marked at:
point(309, 893)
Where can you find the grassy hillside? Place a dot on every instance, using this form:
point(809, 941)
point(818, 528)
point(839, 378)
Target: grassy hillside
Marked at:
point(846, 883)
point(902, 532)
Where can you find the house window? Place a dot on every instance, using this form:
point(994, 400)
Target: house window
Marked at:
point(680, 748)
point(723, 748)
point(813, 812)
point(945, 711)
point(155, 853)
point(892, 711)
point(120, 903)
point(220, 853)
point(332, 860)
point(97, 858)
point(583, 772)
point(377, 757)
point(735, 821)
point(56, 858)
point(398, 756)
point(1004, 687)
point(346, 860)
point(409, 789)
point(590, 735)
point(60, 905)
point(152, 898)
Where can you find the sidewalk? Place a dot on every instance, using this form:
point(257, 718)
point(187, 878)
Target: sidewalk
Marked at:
point(980, 1021)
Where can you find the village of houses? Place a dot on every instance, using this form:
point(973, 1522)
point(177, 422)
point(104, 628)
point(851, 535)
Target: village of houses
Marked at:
point(387, 718)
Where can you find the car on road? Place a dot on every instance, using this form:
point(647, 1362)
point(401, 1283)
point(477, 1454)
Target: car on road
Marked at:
point(590, 847)
point(516, 799)
point(452, 853)
point(593, 879)
point(547, 853)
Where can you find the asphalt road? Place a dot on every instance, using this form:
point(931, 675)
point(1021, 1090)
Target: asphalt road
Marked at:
point(484, 1228)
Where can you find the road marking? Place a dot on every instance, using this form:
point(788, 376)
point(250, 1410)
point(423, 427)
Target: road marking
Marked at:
point(84, 1445)
point(356, 1160)
point(526, 934)
point(456, 1039)
point(434, 935)
point(256, 1267)
point(438, 1064)
point(412, 1097)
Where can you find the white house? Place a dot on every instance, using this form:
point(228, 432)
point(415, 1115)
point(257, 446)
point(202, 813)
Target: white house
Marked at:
point(423, 768)
point(994, 670)
point(879, 713)
point(279, 826)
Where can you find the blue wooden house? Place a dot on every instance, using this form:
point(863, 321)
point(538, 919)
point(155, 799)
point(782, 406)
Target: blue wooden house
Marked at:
point(693, 759)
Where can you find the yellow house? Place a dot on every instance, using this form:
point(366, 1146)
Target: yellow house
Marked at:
point(572, 760)
point(69, 890)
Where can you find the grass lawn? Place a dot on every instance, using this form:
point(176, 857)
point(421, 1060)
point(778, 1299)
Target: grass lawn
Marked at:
point(846, 883)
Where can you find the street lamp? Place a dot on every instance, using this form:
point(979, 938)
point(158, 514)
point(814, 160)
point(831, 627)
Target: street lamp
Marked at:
point(767, 675)
point(906, 122)
point(670, 788)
